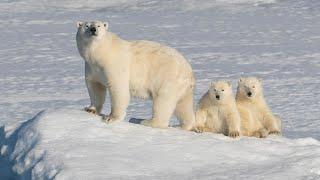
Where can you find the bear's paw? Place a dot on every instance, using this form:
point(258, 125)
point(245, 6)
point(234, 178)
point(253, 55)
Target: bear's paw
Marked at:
point(91, 110)
point(109, 119)
point(275, 132)
point(234, 134)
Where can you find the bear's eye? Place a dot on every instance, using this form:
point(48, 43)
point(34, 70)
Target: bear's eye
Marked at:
point(98, 25)
point(253, 87)
point(87, 26)
point(222, 90)
point(214, 89)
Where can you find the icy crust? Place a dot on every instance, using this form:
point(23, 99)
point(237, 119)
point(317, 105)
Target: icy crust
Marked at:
point(72, 144)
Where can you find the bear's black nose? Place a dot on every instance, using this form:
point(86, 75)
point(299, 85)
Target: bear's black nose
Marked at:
point(218, 97)
point(93, 29)
point(249, 94)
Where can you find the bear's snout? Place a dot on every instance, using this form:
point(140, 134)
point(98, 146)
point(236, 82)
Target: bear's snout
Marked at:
point(93, 30)
point(217, 97)
point(249, 93)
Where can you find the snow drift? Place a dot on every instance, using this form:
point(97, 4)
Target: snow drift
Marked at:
point(276, 40)
point(68, 143)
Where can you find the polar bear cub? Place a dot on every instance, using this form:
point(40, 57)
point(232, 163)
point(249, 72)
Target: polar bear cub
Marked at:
point(256, 117)
point(135, 68)
point(217, 111)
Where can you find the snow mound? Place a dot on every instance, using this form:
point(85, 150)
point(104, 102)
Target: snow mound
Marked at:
point(72, 144)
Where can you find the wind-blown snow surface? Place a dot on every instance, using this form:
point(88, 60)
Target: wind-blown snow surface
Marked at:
point(72, 144)
point(277, 40)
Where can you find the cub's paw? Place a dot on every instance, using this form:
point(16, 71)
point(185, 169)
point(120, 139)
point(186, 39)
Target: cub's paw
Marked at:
point(275, 132)
point(261, 133)
point(91, 110)
point(198, 129)
point(234, 134)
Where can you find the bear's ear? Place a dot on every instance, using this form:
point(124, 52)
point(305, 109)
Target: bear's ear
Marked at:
point(260, 80)
point(212, 84)
point(79, 24)
point(241, 79)
point(229, 83)
point(106, 25)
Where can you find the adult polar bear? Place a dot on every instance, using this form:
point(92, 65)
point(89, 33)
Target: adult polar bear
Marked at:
point(138, 68)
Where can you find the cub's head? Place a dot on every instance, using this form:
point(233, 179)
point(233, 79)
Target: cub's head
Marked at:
point(91, 30)
point(249, 88)
point(220, 91)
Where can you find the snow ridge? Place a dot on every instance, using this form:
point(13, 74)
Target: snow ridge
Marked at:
point(68, 143)
point(20, 161)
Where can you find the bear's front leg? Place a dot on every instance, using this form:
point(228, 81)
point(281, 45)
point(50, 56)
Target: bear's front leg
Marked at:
point(97, 93)
point(199, 125)
point(272, 123)
point(233, 121)
point(120, 97)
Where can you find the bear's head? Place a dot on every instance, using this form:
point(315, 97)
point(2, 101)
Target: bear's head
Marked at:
point(91, 30)
point(220, 91)
point(249, 88)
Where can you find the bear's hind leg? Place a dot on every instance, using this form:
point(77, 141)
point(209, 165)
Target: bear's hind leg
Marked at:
point(185, 112)
point(163, 107)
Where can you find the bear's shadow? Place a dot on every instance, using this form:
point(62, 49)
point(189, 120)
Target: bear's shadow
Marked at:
point(138, 121)
point(135, 120)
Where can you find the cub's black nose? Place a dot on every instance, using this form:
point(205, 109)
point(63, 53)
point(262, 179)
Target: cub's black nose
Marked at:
point(93, 29)
point(249, 94)
point(218, 97)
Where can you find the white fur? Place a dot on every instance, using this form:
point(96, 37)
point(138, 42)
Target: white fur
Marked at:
point(135, 68)
point(256, 117)
point(217, 111)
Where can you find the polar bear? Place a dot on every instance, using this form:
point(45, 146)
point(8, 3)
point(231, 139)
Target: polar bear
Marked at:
point(256, 117)
point(217, 111)
point(142, 69)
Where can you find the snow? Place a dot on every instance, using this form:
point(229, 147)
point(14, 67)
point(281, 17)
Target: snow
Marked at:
point(72, 144)
point(40, 69)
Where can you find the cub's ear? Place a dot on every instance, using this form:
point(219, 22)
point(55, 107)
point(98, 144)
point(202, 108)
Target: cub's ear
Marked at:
point(229, 83)
point(106, 25)
point(79, 24)
point(212, 84)
point(241, 79)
